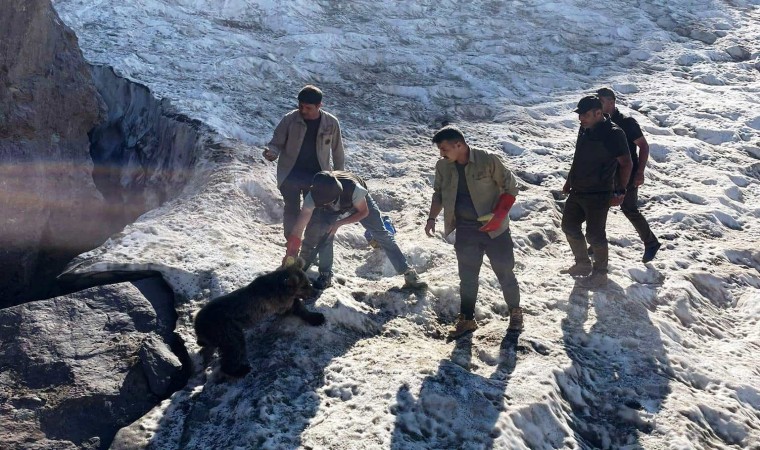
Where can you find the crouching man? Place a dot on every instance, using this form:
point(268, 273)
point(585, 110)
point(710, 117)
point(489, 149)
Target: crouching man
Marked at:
point(475, 192)
point(338, 198)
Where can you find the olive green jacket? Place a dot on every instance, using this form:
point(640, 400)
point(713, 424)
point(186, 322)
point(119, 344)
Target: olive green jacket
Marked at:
point(487, 179)
point(288, 137)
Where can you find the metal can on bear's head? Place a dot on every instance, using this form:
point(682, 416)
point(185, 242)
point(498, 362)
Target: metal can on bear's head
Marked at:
point(387, 224)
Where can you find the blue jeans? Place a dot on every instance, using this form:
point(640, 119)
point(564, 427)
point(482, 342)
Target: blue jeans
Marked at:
point(323, 218)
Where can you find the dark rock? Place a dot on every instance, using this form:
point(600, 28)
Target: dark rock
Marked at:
point(83, 152)
point(159, 365)
point(48, 103)
point(708, 37)
point(76, 369)
point(738, 53)
point(537, 240)
point(143, 152)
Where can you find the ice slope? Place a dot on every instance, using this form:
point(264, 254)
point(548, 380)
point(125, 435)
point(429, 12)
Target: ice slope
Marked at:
point(663, 357)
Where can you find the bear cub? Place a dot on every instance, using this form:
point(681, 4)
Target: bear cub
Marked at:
point(220, 324)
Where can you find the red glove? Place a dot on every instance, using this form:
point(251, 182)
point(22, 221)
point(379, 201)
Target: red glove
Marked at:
point(499, 212)
point(291, 250)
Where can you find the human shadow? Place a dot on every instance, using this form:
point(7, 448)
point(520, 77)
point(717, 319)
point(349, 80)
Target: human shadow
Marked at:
point(454, 404)
point(618, 379)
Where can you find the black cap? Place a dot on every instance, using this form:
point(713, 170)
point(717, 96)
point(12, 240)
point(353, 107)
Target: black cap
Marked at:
point(325, 189)
point(605, 92)
point(588, 103)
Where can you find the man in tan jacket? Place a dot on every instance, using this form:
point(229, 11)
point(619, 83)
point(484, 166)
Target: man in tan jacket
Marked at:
point(306, 141)
point(475, 192)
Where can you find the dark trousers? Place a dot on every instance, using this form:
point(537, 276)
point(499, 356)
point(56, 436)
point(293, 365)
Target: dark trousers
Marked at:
point(589, 208)
point(630, 208)
point(323, 219)
point(293, 189)
point(470, 247)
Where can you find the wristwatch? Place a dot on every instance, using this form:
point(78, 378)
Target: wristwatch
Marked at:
point(618, 192)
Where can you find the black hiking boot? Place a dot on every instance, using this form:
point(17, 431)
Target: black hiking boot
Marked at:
point(324, 281)
point(650, 251)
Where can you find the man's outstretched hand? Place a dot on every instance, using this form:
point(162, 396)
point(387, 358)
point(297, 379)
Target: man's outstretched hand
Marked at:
point(617, 198)
point(430, 227)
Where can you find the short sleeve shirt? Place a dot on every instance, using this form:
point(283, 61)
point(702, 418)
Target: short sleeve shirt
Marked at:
point(632, 132)
point(595, 160)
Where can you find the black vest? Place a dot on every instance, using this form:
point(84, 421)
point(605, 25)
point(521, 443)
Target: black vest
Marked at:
point(348, 181)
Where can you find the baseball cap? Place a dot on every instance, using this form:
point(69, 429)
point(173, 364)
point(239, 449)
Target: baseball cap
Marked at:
point(605, 92)
point(588, 103)
point(325, 189)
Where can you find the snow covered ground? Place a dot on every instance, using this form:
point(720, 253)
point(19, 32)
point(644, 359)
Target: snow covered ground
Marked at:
point(664, 357)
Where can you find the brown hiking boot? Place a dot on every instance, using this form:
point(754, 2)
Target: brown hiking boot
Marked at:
point(597, 279)
point(462, 327)
point(515, 319)
point(579, 269)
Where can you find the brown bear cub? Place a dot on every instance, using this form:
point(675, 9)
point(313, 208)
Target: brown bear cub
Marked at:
point(221, 323)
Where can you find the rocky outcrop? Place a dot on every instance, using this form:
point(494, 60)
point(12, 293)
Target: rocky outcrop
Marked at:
point(739, 52)
point(143, 152)
point(51, 209)
point(75, 369)
point(83, 152)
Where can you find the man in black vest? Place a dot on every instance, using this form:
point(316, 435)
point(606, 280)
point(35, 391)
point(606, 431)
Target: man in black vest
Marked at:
point(600, 151)
point(335, 199)
point(635, 138)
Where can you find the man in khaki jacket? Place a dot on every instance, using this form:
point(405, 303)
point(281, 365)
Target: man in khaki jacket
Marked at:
point(304, 141)
point(475, 192)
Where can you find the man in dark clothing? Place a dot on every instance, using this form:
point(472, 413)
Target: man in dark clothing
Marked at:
point(600, 151)
point(635, 138)
point(335, 199)
point(305, 141)
point(475, 191)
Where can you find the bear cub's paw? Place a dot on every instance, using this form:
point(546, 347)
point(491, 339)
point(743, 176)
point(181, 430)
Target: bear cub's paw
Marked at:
point(314, 319)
